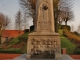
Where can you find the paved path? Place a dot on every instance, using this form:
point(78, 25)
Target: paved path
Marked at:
point(23, 57)
point(76, 59)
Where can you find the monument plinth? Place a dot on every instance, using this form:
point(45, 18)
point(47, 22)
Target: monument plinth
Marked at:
point(44, 42)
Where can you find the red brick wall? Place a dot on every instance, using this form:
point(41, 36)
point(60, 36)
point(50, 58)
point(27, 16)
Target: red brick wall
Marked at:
point(11, 56)
point(8, 56)
point(63, 50)
point(75, 56)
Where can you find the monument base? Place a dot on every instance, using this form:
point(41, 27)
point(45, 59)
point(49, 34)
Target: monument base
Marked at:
point(43, 45)
point(23, 57)
point(43, 56)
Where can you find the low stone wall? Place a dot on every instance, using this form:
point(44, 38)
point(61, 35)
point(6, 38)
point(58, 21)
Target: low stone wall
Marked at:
point(8, 56)
point(75, 56)
point(11, 56)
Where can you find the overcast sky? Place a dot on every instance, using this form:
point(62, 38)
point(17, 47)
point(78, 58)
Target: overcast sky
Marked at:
point(10, 7)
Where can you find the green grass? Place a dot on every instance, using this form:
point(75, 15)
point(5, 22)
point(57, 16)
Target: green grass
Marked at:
point(16, 40)
point(65, 43)
point(25, 49)
point(12, 42)
point(25, 35)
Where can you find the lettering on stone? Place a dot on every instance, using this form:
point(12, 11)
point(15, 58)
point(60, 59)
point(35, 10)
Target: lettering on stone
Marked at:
point(44, 25)
point(43, 46)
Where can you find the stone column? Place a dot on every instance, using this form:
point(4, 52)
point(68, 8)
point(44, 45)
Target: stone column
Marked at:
point(44, 16)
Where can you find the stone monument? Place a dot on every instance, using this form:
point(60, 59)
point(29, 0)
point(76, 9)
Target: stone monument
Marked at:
point(44, 42)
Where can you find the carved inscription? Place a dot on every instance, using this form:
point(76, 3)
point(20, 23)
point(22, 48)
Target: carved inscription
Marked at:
point(44, 25)
point(43, 46)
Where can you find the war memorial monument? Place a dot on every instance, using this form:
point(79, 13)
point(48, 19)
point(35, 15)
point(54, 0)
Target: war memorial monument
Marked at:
point(44, 42)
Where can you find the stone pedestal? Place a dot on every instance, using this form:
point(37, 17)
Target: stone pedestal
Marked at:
point(44, 44)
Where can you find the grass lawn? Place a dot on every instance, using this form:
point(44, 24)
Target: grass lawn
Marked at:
point(65, 43)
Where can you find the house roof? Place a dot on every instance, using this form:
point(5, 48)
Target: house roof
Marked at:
point(12, 33)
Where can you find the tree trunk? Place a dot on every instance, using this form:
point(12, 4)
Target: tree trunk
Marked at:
point(65, 22)
point(0, 39)
point(55, 20)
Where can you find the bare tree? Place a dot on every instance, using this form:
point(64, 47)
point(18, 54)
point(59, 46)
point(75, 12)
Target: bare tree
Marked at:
point(78, 29)
point(68, 17)
point(65, 16)
point(4, 23)
point(55, 4)
point(25, 20)
point(28, 5)
point(65, 12)
point(18, 21)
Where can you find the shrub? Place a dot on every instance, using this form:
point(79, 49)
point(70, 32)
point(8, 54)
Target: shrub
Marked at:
point(65, 27)
point(25, 49)
point(60, 32)
point(71, 36)
point(26, 30)
point(12, 50)
point(32, 28)
point(12, 42)
point(77, 52)
point(22, 39)
point(76, 33)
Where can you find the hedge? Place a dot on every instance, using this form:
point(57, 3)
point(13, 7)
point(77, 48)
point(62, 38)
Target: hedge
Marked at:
point(12, 50)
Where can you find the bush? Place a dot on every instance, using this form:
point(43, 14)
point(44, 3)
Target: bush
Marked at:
point(25, 49)
point(60, 32)
point(22, 39)
point(26, 30)
point(77, 52)
point(65, 43)
point(72, 36)
point(76, 33)
point(32, 28)
point(12, 42)
point(12, 50)
point(65, 27)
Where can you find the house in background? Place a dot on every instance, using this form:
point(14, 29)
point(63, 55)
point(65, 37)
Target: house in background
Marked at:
point(7, 34)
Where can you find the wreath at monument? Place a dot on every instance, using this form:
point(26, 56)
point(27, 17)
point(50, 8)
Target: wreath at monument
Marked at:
point(45, 7)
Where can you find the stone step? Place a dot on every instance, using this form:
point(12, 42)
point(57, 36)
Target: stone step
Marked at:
point(43, 56)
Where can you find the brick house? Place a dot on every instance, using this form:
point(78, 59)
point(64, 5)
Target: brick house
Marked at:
point(7, 34)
